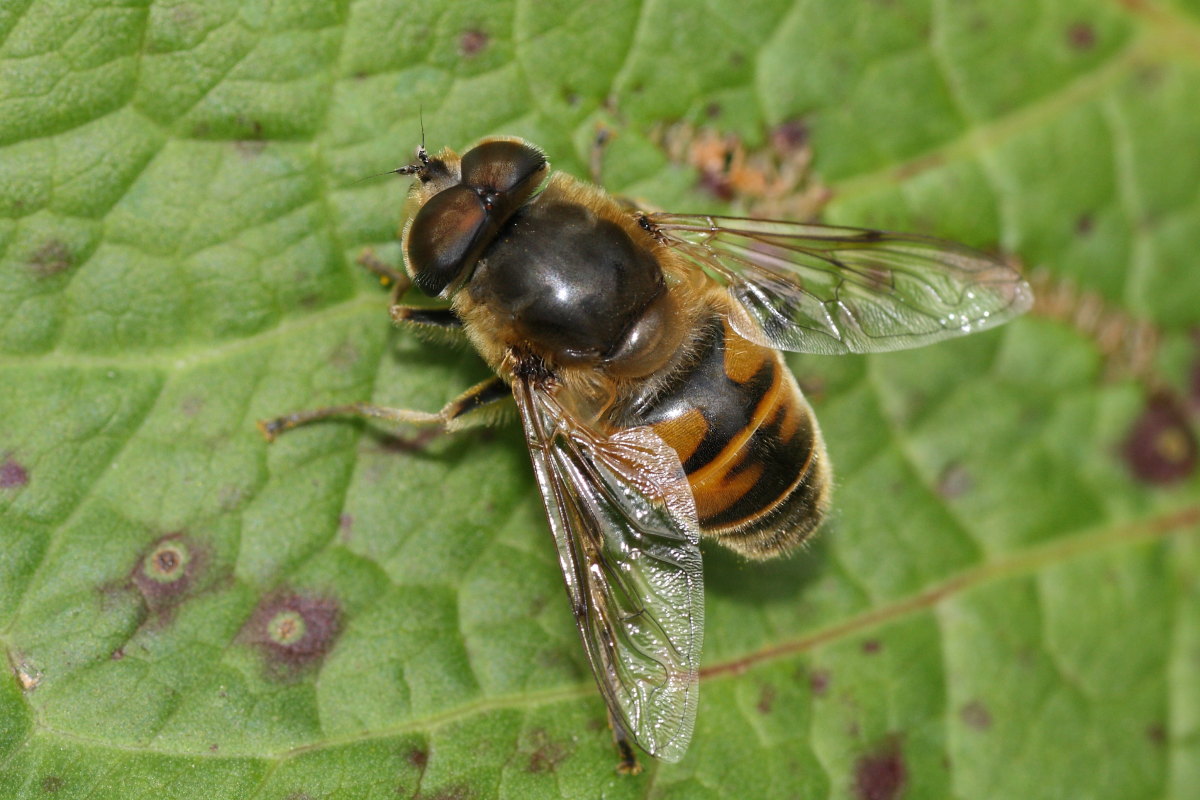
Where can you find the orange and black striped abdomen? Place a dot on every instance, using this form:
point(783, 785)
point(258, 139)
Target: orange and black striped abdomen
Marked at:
point(748, 441)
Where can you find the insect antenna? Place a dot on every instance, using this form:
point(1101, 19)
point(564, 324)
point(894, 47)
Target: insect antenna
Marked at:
point(407, 169)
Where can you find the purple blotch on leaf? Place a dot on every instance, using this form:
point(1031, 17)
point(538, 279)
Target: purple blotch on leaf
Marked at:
point(12, 474)
point(1161, 446)
point(818, 681)
point(473, 42)
point(1081, 36)
point(547, 753)
point(975, 715)
point(790, 135)
point(881, 775)
point(51, 258)
point(766, 699)
point(955, 481)
point(294, 630)
point(166, 570)
point(418, 757)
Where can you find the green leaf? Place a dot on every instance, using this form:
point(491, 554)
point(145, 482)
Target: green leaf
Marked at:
point(1006, 603)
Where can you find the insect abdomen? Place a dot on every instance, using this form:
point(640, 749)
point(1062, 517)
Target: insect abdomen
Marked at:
point(748, 441)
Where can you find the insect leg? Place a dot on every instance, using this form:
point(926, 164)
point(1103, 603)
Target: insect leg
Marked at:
point(628, 765)
point(434, 324)
point(427, 320)
point(387, 274)
point(482, 404)
point(468, 409)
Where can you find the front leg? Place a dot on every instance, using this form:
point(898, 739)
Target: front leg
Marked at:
point(436, 321)
point(388, 275)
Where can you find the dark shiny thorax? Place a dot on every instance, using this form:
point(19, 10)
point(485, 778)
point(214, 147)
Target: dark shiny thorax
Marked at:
point(568, 280)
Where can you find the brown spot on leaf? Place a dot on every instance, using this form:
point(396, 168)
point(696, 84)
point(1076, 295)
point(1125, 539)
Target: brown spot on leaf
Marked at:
point(166, 570)
point(790, 136)
point(818, 681)
point(12, 474)
point(191, 405)
point(117, 655)
point(955, 481)
point(473, 42)
point(1084, 224)
point(1156, 732)
point(872, 646)
point(252, 126)
point(418, 757)
point(1161, 446)
point(293, 630)
point(766, 699)
point(547, 753)
point(881, 775)
point(51, 258)
point(252, 144)
point(1081, 36)
point(52, 784)
point(975, 715)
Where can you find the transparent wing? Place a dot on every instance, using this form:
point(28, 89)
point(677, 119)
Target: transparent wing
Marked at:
point(820, 289)
point(625, 525)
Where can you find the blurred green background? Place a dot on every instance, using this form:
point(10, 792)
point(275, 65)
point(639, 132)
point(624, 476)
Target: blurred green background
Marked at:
point(1004, 605)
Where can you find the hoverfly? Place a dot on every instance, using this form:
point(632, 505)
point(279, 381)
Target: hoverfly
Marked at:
point(643, 354)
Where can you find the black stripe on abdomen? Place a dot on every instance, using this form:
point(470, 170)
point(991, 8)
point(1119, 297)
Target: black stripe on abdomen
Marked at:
point(780, 449)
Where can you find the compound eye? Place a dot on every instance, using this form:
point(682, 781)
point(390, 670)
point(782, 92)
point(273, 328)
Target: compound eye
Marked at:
point(507, 168)
point(445, 238)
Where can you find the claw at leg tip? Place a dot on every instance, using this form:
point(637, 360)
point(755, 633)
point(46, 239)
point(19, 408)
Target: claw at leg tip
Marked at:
point(268, 428)
point(630, 767)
